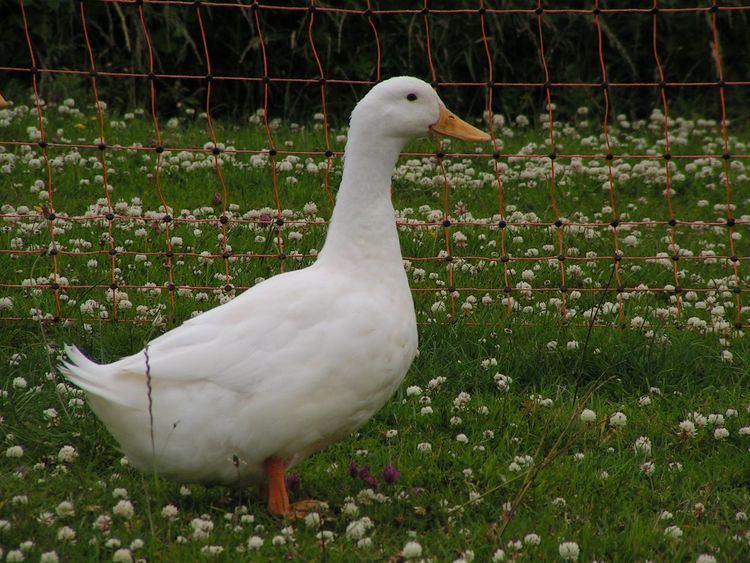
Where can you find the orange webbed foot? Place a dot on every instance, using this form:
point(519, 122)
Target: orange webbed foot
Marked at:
point(278, 498)
point(300, 509)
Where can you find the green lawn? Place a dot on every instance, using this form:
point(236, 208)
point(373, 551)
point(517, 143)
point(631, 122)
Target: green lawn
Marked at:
point(485, 463)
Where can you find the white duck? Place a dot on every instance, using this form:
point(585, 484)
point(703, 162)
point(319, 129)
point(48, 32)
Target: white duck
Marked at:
point(245, 391)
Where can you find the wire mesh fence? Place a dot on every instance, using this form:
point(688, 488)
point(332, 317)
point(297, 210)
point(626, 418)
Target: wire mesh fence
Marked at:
point(620, 275)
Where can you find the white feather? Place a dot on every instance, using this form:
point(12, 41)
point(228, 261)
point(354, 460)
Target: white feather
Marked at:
point(297, 362)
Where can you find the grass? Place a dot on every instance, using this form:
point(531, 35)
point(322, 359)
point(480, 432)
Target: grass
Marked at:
point(462, 498)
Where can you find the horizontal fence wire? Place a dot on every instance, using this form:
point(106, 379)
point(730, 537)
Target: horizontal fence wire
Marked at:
point(109, 217)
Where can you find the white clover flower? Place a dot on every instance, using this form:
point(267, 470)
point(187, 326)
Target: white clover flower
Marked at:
point(65, 509)
point(462, 438)
point(569, 550)
point(468, 557)
point(14, 451)
point(312, 520)
point(124, 509)
point(499, 555)
point(532, 539)
point(461, 400)
point(618, 420)
point(705, 558)
point(15, 555)
point(438, 306)
point(49, 557)
point(648, 468)
point(674, 532)
point(687, 428)
point(572, 345)
point(119, 492)
point(515, 545)
point(122, 556)
point(66, 533)
point(19, 383)
point(325, 535)
point(721, 433)
point(413, 391)
point(436, 382)
point(67, 454)
point(424, 447)
point(211, 550)
point(357, 529)
point(411, 550)
point(26, 545)
point(643, 445)
point(350, 509)
point(716, 419)
point(256, 542)
point(502, 381)
point(201, 528)
point(170, 512)
point(665, 515)
point(587, 415)
point(744, 431)
point(698, 418)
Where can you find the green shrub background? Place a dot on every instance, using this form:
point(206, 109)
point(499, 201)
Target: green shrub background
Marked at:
point(347, 49)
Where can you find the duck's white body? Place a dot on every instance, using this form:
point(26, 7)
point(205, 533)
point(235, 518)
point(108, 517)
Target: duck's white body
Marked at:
point(298, 362)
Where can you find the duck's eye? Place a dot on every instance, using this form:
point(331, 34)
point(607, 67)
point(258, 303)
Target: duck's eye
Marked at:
point(411, 97)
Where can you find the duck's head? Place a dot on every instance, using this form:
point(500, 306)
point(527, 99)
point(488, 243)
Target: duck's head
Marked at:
point(405, 108)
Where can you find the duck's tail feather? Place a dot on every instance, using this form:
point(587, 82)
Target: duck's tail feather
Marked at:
point(89, 376)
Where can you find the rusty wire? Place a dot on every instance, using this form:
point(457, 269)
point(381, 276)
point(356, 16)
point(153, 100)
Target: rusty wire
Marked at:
point(538, 13)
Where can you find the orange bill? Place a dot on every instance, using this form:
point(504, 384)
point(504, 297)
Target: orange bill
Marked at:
point(451, 125)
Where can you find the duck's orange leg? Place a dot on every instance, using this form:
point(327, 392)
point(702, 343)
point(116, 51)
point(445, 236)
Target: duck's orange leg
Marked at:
point(278, 499)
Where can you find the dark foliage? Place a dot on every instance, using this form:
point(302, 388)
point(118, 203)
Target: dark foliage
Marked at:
point(347, 50)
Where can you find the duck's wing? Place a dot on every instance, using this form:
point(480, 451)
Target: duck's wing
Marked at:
point(272, 330)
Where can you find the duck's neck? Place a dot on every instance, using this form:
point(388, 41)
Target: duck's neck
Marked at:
point(362, 233)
